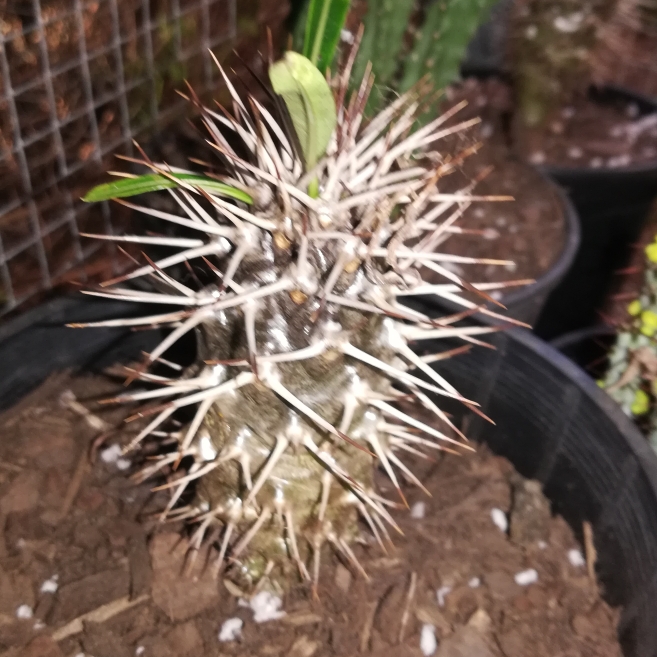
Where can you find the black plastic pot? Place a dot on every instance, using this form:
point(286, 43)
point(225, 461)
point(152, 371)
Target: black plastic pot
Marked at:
point(587, 347)
point(527, 303)
point(552, 422)
point(555, 425)
point(613, 205)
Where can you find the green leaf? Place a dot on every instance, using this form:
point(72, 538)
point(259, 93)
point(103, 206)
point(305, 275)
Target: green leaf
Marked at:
point(154, 182)
point(323, 27)
point(308, 99)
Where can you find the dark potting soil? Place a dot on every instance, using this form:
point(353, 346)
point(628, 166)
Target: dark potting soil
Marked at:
point(85, 568)
point(529, 230)
point(591, 133)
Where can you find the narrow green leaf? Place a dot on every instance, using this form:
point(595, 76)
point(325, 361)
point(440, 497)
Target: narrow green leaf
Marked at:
point(324, 24)
point(153, 182)
point(308, 99)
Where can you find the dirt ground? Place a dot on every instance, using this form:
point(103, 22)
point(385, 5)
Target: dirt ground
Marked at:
point(85, 568)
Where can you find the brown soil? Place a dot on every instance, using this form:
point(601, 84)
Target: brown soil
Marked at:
point(120, 592)
point(589, 133)
point(530, 230)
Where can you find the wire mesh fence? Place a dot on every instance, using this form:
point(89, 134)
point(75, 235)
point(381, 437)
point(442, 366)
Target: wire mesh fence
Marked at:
point(79, 79)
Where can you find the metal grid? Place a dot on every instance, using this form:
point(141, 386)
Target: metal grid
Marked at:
point(79, 79)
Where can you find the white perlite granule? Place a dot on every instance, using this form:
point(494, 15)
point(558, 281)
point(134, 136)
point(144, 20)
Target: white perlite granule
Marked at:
point(499, 518)
point(111, 454)
point(441, 594)
point(266, 607)
point(231, 630)
point(50, 585)
point(576, 558)
point(418, 510)
point(428, 641)
point(474, 583)
point(24, 612)
point(526, 577)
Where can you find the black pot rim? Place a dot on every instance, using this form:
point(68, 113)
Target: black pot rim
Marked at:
point(635, 439)
point(559, 268)
point(566, 340)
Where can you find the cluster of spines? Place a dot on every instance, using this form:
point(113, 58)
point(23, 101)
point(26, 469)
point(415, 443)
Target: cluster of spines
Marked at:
point(379, 209)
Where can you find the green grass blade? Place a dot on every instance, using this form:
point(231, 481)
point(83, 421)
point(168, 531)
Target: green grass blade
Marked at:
point(154, 182)
point(324, 24)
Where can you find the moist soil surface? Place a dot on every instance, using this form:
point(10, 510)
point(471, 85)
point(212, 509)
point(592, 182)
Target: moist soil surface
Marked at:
point(530, 230)
point(592, 133)
point(86, 569)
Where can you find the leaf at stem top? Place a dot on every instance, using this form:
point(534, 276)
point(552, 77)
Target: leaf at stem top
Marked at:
point(154, 182)
point(309, 101)
point(323, 28)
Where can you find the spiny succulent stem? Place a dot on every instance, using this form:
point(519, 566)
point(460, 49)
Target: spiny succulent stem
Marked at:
point(278, 451)
point(294, 549)
point(265, 514)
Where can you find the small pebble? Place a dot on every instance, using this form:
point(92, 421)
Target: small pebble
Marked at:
point(111, 454)
point(491, 234)
point(618, 161)
point(596, 162)
point(428, 641)
point(557, 127)
point(418, 510)
point(576, 558)
point(537, 158)
point(39, 625)
point(526, 577)
point(569, 24)
point(474, 583)
point(575, 152)
point(486, 131)
point(24, 612)
point(441, 594)
point(347, 36)
point(531, 32)
point(231, 630)
point(499, 519)
point(140, 650)
point(50, 585)
point(123, 464)
point(542, 545)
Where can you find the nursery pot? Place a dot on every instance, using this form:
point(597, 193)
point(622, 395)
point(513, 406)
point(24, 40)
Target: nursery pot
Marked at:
point(557, 426)
point(552, 422)
point(588, 347)
point(527, 303)
point(613, 205)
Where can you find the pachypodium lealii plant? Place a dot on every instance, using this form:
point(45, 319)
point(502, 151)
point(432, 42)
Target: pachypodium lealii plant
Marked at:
point(311, 227)
point(631, 378)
